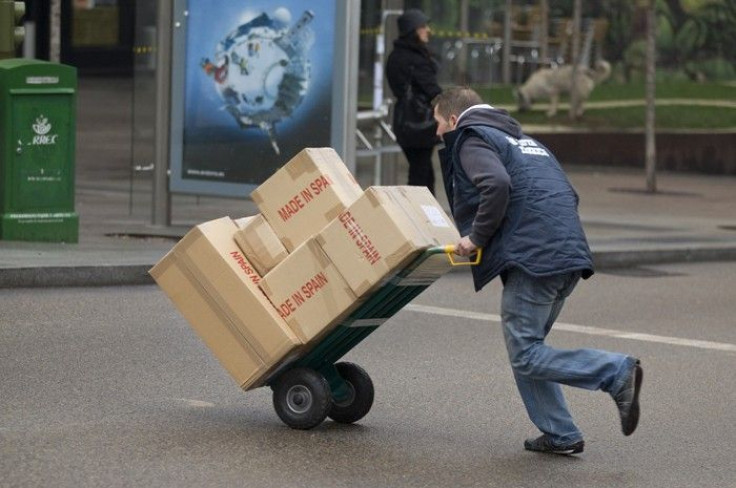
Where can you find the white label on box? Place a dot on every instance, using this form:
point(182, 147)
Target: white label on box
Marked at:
point(435, 216)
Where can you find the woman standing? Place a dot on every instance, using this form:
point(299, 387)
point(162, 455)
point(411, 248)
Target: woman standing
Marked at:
point(411, 71)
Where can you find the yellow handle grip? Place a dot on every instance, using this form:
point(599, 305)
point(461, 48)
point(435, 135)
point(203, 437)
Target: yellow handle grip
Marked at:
point(450, 251)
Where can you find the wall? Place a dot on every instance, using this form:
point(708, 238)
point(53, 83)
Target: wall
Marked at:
point(710, 153)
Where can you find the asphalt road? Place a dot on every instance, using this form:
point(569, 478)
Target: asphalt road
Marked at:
point(110, 387)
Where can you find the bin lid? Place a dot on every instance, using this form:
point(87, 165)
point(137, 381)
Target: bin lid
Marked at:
point(36, 73)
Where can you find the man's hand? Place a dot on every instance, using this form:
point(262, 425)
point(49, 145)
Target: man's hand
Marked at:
point(465, 247)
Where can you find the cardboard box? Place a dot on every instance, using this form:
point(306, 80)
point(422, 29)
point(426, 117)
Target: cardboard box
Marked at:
point(259, 243)
point(426, 212)
point(306, 194)
point(216, 289)
point(309, 292)
point(383, 231)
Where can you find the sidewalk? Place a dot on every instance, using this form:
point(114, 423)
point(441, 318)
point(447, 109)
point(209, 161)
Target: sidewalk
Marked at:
point(691, 217)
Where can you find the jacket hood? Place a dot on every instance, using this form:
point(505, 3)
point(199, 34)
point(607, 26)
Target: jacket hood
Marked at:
point(487, 116)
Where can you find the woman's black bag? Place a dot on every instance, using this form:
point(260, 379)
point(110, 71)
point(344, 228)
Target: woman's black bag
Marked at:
point(414, 123)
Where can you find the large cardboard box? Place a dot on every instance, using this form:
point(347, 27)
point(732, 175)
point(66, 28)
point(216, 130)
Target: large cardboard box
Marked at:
point(309, 292)
point(259, 243)
point(427, 212)
point(383, 231)
point(216, 289)
point(306, 194)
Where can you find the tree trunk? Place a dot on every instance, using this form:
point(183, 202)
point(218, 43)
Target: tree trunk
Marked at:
point(574, 97)
point(650, 143)
point(463, 54)
point(506, 67)
point(544, 31)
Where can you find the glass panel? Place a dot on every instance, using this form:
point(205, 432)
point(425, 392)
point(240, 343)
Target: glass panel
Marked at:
point(144, 111)
point(95, 23)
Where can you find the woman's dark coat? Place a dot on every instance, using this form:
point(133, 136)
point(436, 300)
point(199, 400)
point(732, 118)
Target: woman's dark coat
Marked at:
point(411, 63)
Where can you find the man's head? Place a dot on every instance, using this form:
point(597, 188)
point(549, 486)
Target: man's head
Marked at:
point(449, 104)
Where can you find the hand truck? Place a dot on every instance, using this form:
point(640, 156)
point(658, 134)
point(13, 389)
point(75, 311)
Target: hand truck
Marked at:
point(315, 386)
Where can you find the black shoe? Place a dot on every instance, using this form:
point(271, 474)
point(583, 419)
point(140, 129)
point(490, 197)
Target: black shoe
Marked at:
point(627, 400)
point(543, 444)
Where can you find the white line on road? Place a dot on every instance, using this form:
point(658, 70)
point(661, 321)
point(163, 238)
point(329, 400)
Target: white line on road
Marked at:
point(195, 403)
point(580, 329)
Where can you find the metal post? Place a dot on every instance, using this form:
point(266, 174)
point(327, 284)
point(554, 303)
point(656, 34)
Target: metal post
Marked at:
point(379, 102)
point(378, 76)
point(352, 38)
point(161, 205)
point(29, 44)
point(55, 32)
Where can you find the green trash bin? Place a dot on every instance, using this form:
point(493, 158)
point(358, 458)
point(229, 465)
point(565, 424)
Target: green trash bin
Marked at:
point(37, 150)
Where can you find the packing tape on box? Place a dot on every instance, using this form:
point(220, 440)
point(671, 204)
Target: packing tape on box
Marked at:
point(288, 243)
point(295, 171)
point(335, 211)
point(265, 289)
point(321, 257)
point(363, 287)
point(248, 251)
point(257, 198)
point(373, 198)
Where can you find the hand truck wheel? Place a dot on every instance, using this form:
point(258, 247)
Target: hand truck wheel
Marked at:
point(302, 398)
point(360, 401)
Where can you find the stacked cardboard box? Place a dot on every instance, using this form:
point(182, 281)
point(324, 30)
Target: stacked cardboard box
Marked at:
point(383, 231)
point(306, 194)
point(309, 292)
point(260, 243)
point(276, 283)
point(298, 201)
point(215, 288)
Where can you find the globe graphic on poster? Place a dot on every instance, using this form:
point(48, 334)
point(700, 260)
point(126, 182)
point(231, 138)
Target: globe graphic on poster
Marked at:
point(261, 71)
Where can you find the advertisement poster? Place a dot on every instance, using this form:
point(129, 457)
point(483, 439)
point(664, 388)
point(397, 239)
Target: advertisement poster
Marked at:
point(258, 87)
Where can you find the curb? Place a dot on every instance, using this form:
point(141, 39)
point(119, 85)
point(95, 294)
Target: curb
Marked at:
point(137, 274)
point(67, 276)
point(625, 259)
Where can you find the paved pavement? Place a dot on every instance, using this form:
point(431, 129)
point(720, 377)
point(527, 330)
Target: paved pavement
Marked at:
point(691, 217)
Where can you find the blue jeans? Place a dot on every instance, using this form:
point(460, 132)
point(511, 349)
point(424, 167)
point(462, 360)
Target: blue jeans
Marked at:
point(529, 307)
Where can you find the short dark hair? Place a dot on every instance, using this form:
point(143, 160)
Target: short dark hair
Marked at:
point(455, 100)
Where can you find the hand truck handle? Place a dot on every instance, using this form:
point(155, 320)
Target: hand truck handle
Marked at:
point(449, 249)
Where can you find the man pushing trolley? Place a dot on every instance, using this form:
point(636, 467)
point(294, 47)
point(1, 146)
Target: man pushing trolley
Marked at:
point(510, 198)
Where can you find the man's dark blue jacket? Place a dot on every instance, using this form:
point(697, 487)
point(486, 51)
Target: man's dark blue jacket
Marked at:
point(509, 194)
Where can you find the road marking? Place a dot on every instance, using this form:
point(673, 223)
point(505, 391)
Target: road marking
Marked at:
point(195, 403)
point(581, 329)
